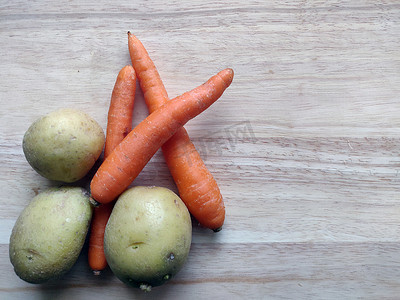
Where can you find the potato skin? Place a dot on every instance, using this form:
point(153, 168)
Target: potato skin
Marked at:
point(148, 236)
point(63, 145)
point(49, 234)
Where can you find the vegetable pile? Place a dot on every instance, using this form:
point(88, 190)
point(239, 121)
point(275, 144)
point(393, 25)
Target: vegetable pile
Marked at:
point(127, 151)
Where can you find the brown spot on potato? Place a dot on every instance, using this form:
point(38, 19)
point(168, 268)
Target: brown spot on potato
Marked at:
point(135, 245)
point(171, 256)
point(31, 253)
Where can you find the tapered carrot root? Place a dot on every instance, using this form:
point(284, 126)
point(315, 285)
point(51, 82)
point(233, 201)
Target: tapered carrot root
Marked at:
point(127, 160)
point(196, 185)
point(96, 257)
point(119, 124)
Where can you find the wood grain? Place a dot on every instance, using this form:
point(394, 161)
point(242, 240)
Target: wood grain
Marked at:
point(304, 144)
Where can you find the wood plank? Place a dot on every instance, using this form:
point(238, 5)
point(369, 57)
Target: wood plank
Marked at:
point(260, 270)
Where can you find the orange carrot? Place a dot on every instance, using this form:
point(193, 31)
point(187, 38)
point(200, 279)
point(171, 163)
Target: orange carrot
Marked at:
point(127, 160)
point(196, 185)
point(119, 124)
point(96, 257)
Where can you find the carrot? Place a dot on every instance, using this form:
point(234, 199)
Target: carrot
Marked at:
point(127, 160)
point(196, 185)
point(96, 257)
point(119, 124)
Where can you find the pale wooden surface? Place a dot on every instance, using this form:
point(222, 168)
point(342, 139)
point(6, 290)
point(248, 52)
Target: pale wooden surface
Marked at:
point(305, 144)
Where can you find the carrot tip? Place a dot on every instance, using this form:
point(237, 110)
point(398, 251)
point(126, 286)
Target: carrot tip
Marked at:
point(217, 229)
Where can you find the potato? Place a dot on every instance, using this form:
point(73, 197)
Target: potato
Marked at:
point(148, 236)
point(48, 236)
point(63, 145)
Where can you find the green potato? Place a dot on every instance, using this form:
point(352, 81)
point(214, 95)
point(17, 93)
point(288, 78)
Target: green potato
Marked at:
point(63, 145)
point(48, 236)
point(148, 236)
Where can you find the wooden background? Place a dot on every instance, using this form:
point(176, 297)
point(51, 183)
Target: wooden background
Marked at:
point(305, 143)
